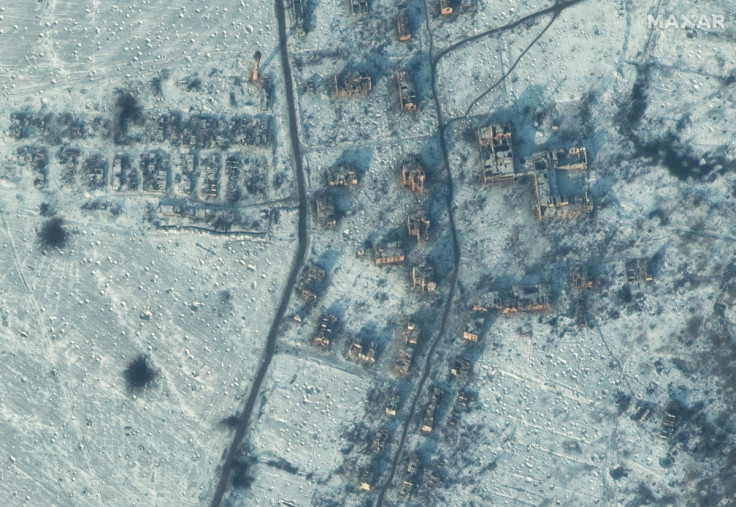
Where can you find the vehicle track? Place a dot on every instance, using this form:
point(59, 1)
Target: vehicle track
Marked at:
point(245, 415)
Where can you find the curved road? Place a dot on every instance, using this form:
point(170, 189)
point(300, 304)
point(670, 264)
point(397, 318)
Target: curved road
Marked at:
point(296, 266)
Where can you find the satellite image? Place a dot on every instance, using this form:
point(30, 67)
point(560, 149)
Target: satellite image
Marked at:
point(368, 253)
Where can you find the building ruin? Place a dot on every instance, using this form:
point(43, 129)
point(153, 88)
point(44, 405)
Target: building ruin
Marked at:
point(413, 175)
point(497, 156)
point(342, 176)
point(351, 84)
point(518, 299)
point(427, 425)
point(557, 191)
point(423, 278)
point(402, 27)
point(639, 270)
point(326, 329)
point(326, 218)
point(391, 253)
point(358, 353)
point(407, 92)
point(418, 227)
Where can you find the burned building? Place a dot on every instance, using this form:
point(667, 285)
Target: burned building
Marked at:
point(639, 270)
point(427, 425)
point(668, 426)
point(581, 280)
point(326, 329)
point(520, 298)
point(38, 159)
point(407, 93)
point(473, 329)
point(351, 84)
point(423, 278)
point(392, 403)
point(358, 7)
point(211, 167)
point(406, 349)
point(342, 176)
point(95, 171)
point(497, 157)
point(402, 27)
point(413, 175)
point(185, 179)
point(326, 218)
point(296, 13)
point(311, 283)
point(391, 253)
point(460, 406)
point(379, 441)
point(358, 353)
point(69, 158)
point(460, 367)
point(560, 186)
point(155, 171)
point(124, 175)
point(418, 227)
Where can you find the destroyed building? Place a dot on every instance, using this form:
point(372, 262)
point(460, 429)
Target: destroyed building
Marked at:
point(581, 280)
point(296, 13)
point(358, 7)
point(427, 425)
point(497, 157)
point(460, 406)
point(311, 283)
point(520, 298)
point(342, 176)
point(406, 349)
point(413, 175)
point(392, 403)
point(358, 353)
point(473, 329)
point(391, 253)
point(351, 84)
point(418, 227)
point(558, 191)
point(326, 329)
point(402, 27)
point(124, 175)
point(326, 218)
point(423, 278)
point(155, 171)
point(639, 270)
point(95, 171)
point(379, 441)
point(460, 367)
point(407, 92)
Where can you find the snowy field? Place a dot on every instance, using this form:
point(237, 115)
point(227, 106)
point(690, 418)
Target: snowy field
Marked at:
point(109, 112)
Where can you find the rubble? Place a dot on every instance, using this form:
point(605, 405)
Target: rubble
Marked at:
point(418, 227)
point(326, 329)
point(352, 84)
point(497, 157)
point(407, 93)
point(413, 175)
point(325, 212)
point(391, 253)
point(520, 298)
point(423, 277)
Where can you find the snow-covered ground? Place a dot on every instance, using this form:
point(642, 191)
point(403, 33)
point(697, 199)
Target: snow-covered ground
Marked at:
point(557, 413)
